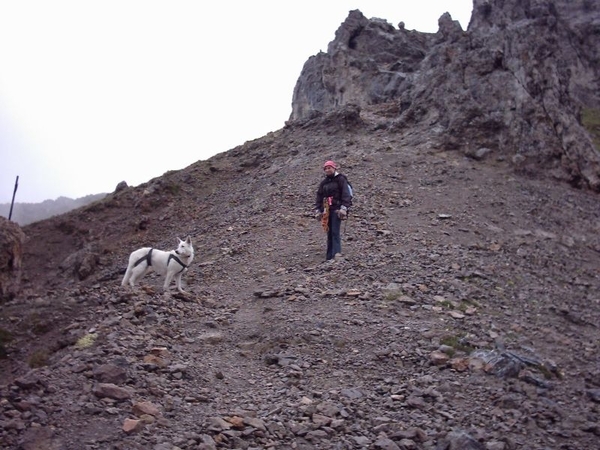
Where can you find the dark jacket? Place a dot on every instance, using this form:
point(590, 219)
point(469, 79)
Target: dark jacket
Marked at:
point(335, 187)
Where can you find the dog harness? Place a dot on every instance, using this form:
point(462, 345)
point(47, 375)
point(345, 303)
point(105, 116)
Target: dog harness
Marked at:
point(172, 256)
point(147, 258)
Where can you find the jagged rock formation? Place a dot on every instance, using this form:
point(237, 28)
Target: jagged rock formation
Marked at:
point(521, 82)
point(11, 259)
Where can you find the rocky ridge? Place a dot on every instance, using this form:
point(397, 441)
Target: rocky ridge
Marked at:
point(521, 82)
point(26, 213)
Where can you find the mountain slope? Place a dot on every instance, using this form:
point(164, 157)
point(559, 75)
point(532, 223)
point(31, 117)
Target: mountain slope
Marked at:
point(274, 348)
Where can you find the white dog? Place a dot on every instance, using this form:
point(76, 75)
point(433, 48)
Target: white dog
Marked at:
point(170, 264)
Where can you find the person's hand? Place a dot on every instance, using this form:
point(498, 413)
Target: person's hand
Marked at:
point(342, 213)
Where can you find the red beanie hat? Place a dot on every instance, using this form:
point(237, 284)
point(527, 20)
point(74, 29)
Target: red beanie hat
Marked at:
point(330, 163)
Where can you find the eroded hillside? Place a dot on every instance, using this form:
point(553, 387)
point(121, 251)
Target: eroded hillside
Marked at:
point(463, 314)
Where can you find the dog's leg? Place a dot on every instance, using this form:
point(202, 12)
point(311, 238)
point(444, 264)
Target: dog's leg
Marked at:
point(168, 279)
point(137, 274)
point(127, 275)
point(178, 279)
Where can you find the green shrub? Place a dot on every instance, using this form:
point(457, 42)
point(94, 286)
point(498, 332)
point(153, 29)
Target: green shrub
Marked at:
point(86, 341)
point(455, 342)
point(5, 338)
point(39, 358)
point(391, 296)
point(590, 119)
point(38, 324)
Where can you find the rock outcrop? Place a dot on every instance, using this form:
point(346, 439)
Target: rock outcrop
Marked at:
point(11, 257)
point(522, 81)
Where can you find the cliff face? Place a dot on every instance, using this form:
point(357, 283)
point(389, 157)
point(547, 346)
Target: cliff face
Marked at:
point(521, 82)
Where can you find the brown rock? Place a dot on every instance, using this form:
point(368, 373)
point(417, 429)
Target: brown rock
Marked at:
point(438, 358)
point(11, 259)
point(110, 373)
point(132, 425)
point(109, 390)
point(236, 422)
point(140, 408)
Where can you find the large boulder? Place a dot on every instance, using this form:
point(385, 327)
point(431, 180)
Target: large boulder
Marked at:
point(11, 258)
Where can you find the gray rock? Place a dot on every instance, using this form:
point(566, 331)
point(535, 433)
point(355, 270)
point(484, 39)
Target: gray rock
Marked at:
point(459, 440)
point(109, 390)
point(385, 444)
point(110, 373)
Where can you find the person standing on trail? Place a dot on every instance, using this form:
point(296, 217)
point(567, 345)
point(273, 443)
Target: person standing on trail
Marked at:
point(331, 206)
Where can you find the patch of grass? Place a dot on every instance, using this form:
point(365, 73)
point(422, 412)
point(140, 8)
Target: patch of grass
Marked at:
point(39, 358)
point(340, 343)
point(38, 324)
point(466, 304)
point(86, 341)
point(392, 296)
point(590, 119)
point(455, 341)
point(548, 371)
point(66, 227)
point(5, 338)
point(172, 188)
point(446, 304)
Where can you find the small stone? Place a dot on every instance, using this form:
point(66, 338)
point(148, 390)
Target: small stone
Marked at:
point(211, 338)
point(110, 373)
point(218, 424)
point(306, 401)
point(386, 444)
point(140, 408)
point(255, 423)
point(236, 422)
point(361, 441)
point(352, 393)
point(406, 300)
point(156, 360)
point(320, 420)
point(438, 358)
point(460, 364)
point(132, 425)
point(109, 390)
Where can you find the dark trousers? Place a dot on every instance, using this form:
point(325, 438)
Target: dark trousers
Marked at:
point(334, 240)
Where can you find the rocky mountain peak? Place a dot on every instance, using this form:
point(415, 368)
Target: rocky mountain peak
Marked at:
point(522, 81)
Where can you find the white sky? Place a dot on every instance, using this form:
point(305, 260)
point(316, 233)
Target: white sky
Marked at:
point(97, 92)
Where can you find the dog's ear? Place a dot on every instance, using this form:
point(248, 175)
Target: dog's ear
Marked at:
point(189, 240)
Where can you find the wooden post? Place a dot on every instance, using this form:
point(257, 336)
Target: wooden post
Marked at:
point(13, 197)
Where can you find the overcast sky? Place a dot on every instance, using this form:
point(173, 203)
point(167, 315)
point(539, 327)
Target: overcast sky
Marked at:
point(97, 92)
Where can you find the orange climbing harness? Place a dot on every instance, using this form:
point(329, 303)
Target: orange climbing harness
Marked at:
point(325, 216)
